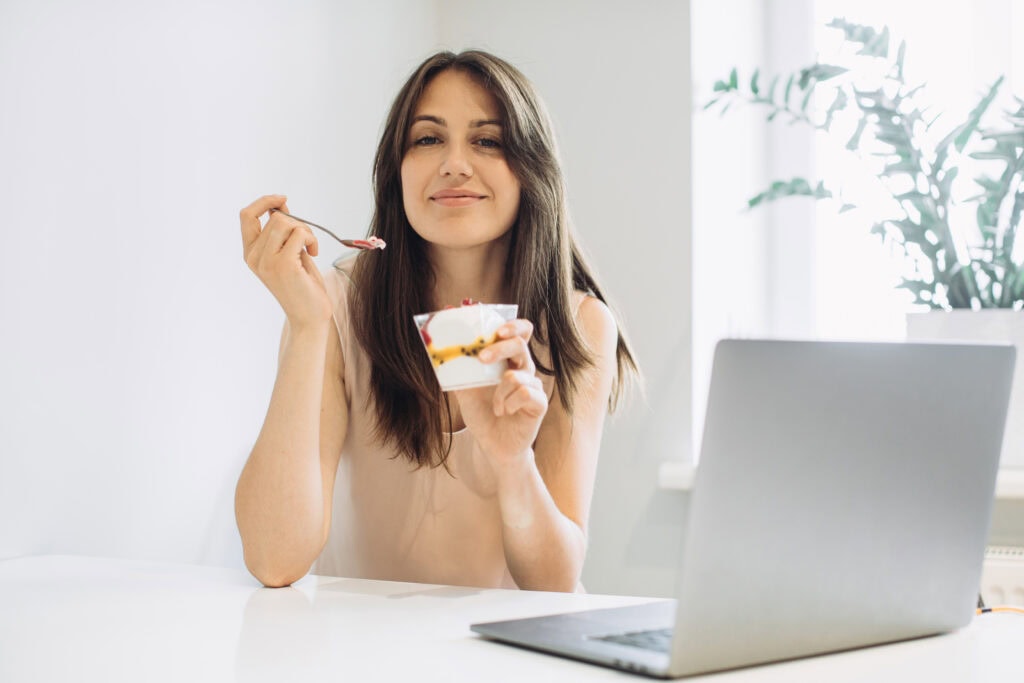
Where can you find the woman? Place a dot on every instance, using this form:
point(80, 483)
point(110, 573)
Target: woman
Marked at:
point(363, 466)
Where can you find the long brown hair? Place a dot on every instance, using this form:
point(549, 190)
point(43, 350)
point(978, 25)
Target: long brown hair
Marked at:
point(544, 266)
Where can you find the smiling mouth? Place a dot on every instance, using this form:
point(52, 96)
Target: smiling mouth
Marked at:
point(455, 194)
point(456, 199)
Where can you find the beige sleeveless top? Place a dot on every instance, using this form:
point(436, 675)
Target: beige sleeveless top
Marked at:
point(395, 522)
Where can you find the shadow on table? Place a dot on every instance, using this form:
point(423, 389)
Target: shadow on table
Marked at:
point(394, 591)
point(283, 638)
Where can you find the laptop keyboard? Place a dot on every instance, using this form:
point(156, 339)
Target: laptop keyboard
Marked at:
point(659, 640)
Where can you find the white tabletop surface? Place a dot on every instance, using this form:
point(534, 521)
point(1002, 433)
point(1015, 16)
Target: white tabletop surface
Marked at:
point(85, 619)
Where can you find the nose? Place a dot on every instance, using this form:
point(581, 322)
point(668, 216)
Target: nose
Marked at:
point(456, 162)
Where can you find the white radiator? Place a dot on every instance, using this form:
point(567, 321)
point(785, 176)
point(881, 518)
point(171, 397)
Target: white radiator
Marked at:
point(1002, 576)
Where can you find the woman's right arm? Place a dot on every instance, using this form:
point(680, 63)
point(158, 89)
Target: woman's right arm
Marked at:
point(284, 494)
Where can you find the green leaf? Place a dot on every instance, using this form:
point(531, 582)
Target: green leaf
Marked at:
point(974, 118)
point(753, 81)
point(838, 104)
point(991, 156)
point(847, 207)
point(734, 80)
point(917, 286)
point(912, 231)
point(962, 287)
point(987, 268)
point(1015, 213)
point(913, 196)
point(962, 133)
point(1011, 138)
point(797, 187)
point(946, 182)
point(806, 99)
point(1016, 286)
point(891, 135)
point(985, 215)
point(913, 91)
point(816, 73)
point(875, 44)
point(805, 80)
point(789, 87)
point(854, 141)
point(902, 166)
point(878, 46)
point(988, 184)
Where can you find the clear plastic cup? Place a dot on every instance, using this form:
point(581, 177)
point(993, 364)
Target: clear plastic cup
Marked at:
point(454, 336)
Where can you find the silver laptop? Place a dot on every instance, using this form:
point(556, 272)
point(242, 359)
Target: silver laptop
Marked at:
point(842, 500)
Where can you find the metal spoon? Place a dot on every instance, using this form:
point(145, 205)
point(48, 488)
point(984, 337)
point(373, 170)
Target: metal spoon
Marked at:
point(367, 244)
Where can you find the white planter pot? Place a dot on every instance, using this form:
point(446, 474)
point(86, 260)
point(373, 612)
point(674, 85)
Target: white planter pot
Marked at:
point(995, 325)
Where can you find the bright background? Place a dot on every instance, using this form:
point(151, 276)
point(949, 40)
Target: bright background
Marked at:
point(138, 352)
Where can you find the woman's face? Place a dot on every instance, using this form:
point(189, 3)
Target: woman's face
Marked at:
point(457, 187)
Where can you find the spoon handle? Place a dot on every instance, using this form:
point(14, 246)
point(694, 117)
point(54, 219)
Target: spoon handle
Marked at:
point(347, 243)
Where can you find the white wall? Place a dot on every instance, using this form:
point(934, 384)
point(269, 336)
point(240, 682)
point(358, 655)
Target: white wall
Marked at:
point(753, 276)
point(139, 352)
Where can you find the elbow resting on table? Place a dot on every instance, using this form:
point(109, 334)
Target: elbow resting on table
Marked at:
point(275, 575)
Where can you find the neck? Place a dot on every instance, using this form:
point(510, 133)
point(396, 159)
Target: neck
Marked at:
point(477, 273)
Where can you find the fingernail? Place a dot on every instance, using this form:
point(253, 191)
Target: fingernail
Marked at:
point(485, 356)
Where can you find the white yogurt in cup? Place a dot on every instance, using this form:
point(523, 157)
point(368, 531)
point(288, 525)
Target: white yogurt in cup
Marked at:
point(454, 336)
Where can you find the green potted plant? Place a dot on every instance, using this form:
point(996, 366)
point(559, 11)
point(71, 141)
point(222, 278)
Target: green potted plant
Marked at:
point(950, 265)
point(968, 273)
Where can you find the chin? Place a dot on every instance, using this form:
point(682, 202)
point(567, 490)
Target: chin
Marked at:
point(460, 236)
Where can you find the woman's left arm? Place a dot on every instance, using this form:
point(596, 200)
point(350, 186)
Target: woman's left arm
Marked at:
point(544, 492)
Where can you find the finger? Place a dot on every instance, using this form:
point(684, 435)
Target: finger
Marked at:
point(515, 350)
point(309, 265)
point(273, 235)
point(312, 243)
point(521, 396)
point(511, 381)
point(527, 401)
point(279, 229)
point(516, 328)
point(249, 217)
point(269, 241)
point(300, 241)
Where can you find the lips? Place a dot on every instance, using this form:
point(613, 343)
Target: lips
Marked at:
point(456, 198)
point(456, 194)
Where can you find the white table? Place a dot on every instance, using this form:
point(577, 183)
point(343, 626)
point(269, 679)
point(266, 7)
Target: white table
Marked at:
point(84, 619)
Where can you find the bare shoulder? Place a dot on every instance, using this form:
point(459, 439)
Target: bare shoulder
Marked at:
point(598, 326)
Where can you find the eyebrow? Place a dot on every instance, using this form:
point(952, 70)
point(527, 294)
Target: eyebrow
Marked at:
point(478, 123)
